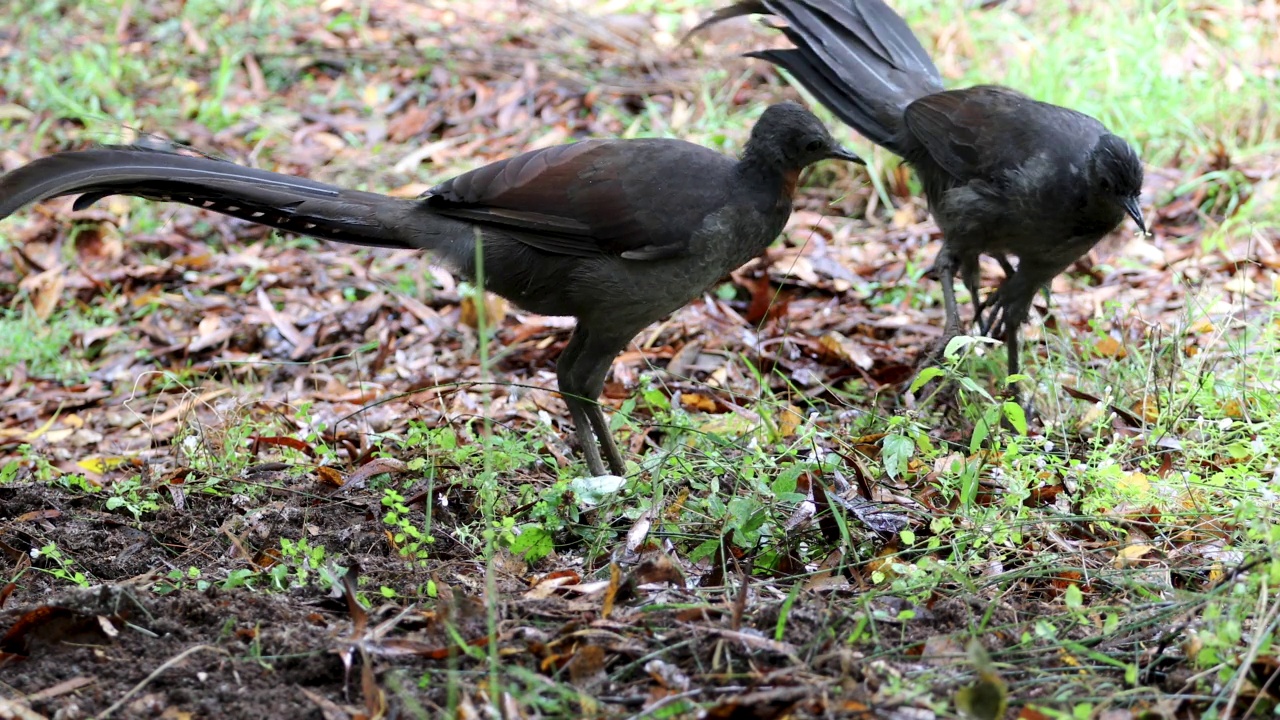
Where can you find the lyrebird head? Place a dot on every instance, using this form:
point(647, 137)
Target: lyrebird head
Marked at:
point(1116, 173)
point(792, 138)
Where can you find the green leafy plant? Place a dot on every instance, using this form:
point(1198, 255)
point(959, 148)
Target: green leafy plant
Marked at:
point(411, 541)
point(63, 567)
point(132, 497)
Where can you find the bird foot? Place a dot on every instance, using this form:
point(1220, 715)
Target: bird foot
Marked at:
point(934, 355)
point(995, 323)
point(949, 333)
point(1024, 401)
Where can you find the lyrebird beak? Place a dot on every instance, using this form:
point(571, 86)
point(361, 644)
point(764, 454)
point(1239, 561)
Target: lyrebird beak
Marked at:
point(839, 152)
point(1135, 212)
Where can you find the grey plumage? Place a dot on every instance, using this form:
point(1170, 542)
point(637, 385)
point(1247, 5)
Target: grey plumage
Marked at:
point(1004, 174)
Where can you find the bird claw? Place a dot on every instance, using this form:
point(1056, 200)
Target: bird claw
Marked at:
point(997, 328)
point(993, 324)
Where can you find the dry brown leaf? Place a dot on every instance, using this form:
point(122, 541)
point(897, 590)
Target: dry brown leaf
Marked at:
point(846, 350)
point(698, 402)
point(1129, 555)
point(1109, 347)
point(46, 290)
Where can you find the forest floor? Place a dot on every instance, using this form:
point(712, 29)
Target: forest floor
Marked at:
point(252, 475)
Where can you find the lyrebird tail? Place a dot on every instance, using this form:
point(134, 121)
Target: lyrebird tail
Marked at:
point(285, 202)
point(857, 57)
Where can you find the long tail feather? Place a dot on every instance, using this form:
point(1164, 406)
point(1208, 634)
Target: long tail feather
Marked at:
point(294, 204)
point(738, 9)
point(857, 57)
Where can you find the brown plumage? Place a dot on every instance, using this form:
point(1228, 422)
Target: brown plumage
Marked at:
point(616, 233)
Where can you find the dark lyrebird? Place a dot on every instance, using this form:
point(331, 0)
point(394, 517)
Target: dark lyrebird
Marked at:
point(1004, 174)
point(616, 233)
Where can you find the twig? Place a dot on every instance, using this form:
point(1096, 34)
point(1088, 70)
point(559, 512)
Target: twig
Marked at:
point(154, 674)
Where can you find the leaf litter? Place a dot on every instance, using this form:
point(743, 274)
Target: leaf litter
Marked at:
point(211, 325)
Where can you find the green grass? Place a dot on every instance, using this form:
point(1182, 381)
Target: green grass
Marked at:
point(1164, 74)
point(46, 347)
point(1179, 79)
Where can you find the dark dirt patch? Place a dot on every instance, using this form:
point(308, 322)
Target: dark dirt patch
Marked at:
point(242, 654)
point(263, 651)
point(250, 651)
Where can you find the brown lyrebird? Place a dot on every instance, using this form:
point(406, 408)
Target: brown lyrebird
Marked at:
point(616, 233)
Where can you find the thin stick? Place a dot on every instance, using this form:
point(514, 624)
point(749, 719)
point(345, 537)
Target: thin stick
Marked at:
point(154, 674)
